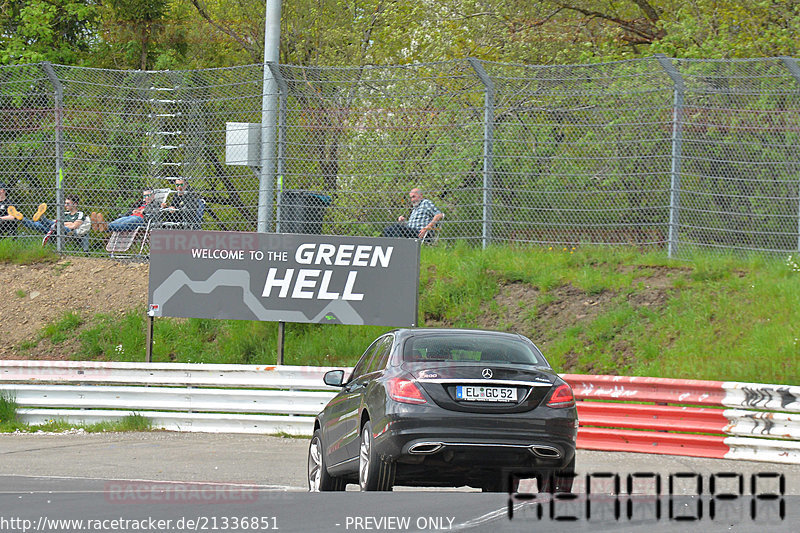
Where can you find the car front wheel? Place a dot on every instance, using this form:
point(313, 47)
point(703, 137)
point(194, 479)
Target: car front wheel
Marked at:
point(373, 472)
point(318, 477)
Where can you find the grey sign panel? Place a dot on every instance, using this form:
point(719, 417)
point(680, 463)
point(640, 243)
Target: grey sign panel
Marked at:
point(281, 277)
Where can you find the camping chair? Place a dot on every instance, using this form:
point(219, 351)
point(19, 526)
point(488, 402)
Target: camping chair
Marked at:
point(432, 237)
point(121, 241)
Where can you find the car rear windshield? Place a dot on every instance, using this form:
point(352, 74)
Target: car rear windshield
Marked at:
point(466, 347)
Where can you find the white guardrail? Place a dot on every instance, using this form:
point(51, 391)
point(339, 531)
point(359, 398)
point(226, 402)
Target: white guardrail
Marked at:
point(265, 399)
point(173, 396)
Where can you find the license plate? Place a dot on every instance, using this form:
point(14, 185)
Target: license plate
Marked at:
point(486, 394)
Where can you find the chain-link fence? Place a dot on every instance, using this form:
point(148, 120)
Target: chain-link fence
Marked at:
point(667, 153)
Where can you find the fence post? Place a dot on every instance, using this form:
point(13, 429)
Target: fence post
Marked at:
point(488, 147)
point(283, 95)
point(794, 70)
point(675, 182)
point(266, 186)
point(58, 97)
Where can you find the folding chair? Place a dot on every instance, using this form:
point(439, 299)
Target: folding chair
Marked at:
point(121, 241)
point(432, 237)
point(160, 196)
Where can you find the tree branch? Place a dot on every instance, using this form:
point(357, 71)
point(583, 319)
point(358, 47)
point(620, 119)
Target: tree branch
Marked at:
point(226, 30)
point(646, 31)
point(652, 13)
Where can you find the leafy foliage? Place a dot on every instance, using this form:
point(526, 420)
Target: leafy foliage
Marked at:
point(161, 34)
point(60, 31)
point(137, 23)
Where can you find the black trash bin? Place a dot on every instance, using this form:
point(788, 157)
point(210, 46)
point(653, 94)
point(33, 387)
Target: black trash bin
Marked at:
point(302, 211)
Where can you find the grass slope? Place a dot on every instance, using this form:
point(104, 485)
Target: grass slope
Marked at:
point(591, 310)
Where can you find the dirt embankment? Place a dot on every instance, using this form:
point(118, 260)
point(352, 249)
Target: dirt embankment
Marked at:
point(33, 296)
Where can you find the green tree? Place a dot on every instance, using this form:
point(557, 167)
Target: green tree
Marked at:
point(235, 27)
point(135, 25)
point(731, 29)
point(60, 31)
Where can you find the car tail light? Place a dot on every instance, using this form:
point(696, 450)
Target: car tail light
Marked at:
point(561, 397)
point(405, 391)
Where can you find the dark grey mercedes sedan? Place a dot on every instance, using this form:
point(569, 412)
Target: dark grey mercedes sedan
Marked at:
point(446, 407)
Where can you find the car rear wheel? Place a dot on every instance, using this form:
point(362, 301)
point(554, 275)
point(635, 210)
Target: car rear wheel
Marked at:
point(373, 472)
point(318, 477)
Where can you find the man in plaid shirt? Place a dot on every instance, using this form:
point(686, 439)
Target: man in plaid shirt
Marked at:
point(423, 218)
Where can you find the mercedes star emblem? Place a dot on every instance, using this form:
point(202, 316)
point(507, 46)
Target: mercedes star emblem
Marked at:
point(487, 373)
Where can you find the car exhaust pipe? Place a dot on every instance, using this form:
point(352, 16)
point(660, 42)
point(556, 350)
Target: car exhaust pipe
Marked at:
point(546, 452)
point(425, 448)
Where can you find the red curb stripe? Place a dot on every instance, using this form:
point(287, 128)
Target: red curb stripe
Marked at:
point(652, 417)
point(652, 442)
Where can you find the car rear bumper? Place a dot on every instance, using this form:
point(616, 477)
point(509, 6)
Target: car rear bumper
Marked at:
point(517, 439)
point(430, 447)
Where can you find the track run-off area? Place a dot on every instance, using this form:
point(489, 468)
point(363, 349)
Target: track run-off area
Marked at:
point(171, 481)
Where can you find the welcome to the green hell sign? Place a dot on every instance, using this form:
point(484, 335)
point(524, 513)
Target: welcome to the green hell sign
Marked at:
point(314, 282)
point(355, 280)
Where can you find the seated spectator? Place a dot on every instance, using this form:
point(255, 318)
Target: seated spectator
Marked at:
point(141, 211)
point(422, 219)
point(9, 216)
point(72, 222)
point(183, 207)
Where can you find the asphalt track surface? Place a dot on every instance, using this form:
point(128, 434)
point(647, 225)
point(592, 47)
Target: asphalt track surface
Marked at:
point(162, 481)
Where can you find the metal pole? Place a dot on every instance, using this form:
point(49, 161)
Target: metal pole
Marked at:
point(269, 107)
point(284, 92)
point(675, 183)
point(794, 70)
point(148, 356)
point(281, 332)
point(488, 148)
point(59, 140)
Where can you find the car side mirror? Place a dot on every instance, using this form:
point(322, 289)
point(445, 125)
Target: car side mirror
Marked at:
point(334, 378)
